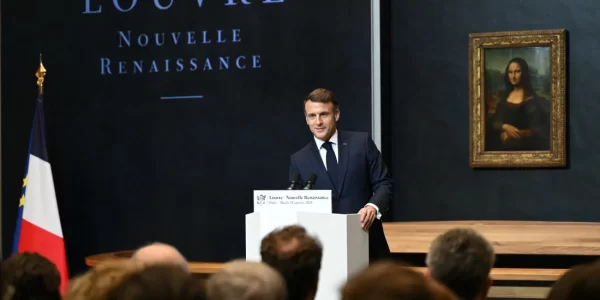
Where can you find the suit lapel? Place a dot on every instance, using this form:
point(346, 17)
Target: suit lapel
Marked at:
point(343, 159)
point(321, 170)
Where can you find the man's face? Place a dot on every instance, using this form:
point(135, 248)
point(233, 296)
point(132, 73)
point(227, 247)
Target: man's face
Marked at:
point(321, 118)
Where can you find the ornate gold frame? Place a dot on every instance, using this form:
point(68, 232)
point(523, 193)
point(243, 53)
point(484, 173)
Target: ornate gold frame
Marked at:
point(556, 157)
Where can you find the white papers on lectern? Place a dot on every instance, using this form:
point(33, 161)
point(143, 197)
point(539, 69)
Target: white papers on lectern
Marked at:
point(317, 201)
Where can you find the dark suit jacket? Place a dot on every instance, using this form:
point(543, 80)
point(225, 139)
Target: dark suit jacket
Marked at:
point(363, 179)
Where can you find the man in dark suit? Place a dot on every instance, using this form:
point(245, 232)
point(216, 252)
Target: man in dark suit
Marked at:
point(347, 163)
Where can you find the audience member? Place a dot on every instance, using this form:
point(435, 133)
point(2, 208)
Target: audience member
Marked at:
point(26, 276)
point(99, 280)
point(159, 282)
point(388, 280)
point(462, 259)
point(243, 280)
point(159, 253)
point(297, 257)
point(579, 283)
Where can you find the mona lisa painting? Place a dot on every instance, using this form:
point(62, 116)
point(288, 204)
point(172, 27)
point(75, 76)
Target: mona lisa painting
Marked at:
point(517, 99)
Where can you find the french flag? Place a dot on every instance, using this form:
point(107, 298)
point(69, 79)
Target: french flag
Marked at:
point(38, 222)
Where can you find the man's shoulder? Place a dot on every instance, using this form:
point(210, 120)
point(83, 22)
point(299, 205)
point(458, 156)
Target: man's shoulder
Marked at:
point(304, 149)
point(354, 135)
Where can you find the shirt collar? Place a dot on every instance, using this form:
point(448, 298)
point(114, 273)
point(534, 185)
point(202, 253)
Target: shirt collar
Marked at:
point(333, 140)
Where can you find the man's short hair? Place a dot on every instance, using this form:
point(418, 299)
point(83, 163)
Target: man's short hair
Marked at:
point(461, 259)
point(389, 280)
point(297, 256)
point(29, 276)
point(160, 253)
point(244, 280)
point(580, 282)
point(322, 95)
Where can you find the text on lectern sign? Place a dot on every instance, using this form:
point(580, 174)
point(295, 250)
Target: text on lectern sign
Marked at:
point(318, 201)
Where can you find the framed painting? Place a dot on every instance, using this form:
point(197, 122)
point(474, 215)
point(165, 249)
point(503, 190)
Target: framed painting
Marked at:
point(517, 99)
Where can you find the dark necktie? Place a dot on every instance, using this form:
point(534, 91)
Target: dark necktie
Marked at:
point(332, 164)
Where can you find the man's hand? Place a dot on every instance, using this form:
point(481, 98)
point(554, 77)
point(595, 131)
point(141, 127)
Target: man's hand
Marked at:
point(367, 216)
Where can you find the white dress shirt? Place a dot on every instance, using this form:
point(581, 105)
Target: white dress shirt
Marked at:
point(334, 146)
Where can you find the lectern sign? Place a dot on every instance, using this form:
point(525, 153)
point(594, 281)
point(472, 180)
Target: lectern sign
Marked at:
point(318, 201)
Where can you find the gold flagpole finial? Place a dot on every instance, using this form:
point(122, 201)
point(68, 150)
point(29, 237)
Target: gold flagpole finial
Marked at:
point(40, 74)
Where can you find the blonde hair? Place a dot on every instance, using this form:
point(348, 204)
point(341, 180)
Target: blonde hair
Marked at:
point(244, 280)
point(98, 281)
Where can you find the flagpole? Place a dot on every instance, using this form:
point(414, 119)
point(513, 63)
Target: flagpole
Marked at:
point(40, 74)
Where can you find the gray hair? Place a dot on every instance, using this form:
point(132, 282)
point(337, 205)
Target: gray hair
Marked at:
point(245, 280)
point(461, 259)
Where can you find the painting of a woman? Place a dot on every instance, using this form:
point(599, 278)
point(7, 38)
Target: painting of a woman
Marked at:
point(522, 118)
point(517, 99)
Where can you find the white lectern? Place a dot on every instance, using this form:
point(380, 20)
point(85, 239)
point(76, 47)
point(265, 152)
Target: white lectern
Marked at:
point(345, 244)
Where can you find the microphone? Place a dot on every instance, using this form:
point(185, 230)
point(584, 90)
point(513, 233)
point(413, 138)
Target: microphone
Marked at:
point(295, 181)
point(312, 178)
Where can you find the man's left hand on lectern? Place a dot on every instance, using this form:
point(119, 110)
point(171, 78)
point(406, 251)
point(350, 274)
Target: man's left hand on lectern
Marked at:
point(367, 216)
